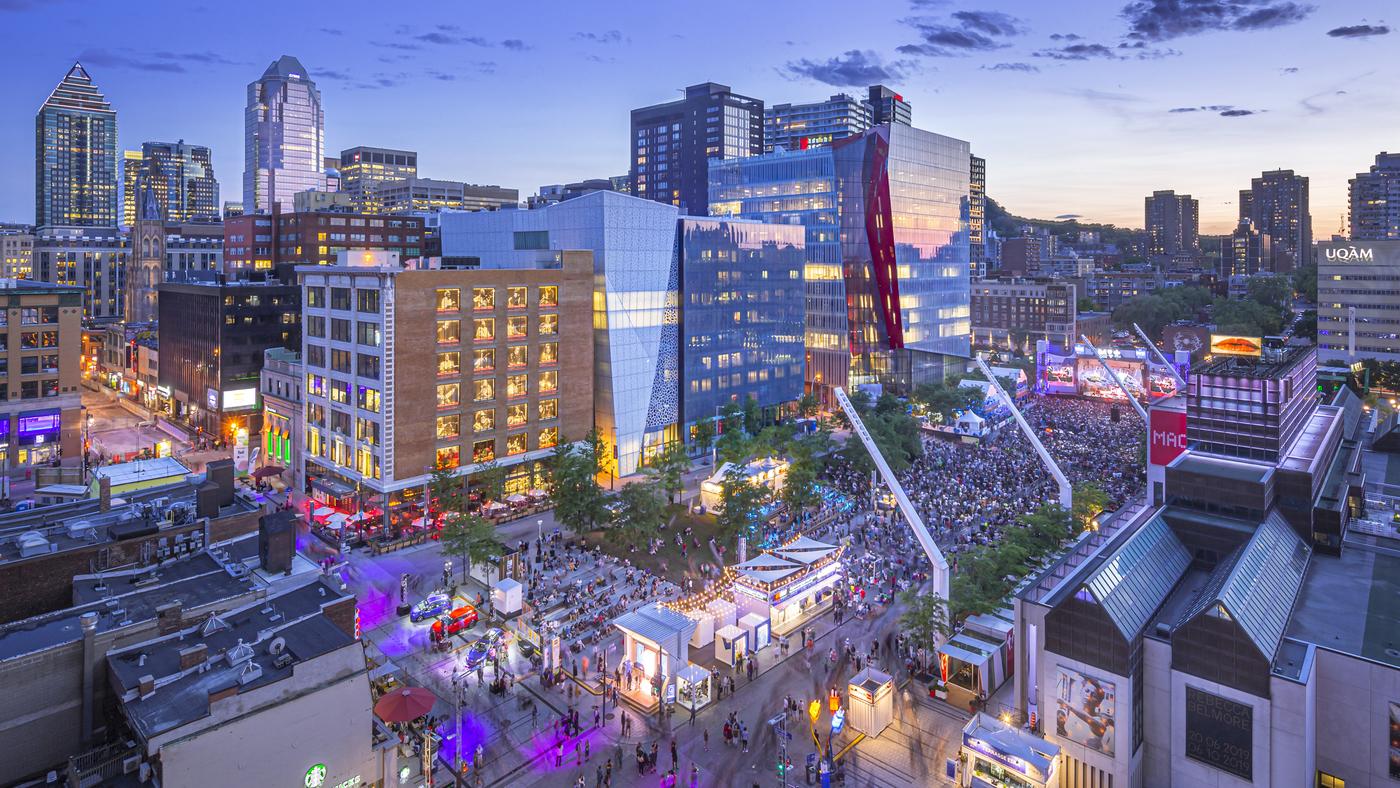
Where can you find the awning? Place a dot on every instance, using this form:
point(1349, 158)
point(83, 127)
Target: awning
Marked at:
point(332, 487)
point(337, 520)
point(516, 499)
point(953, 651)
point(322, 511)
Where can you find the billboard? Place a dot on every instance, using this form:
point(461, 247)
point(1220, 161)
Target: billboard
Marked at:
point(1192, 339)
point(1057, 374)
point(1079, 372)
point(1168, 436)
point(1395, 741)
point(1231, 345)
point(1085, 706)
point(1220, 732)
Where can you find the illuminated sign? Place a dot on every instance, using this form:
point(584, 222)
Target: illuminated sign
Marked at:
point(1168, 437)
point(1350, 254)
point(39, 423)
point(239, 399)
point(211, 399)
point(1231, 345)
point(838, 721)
point(316, 776)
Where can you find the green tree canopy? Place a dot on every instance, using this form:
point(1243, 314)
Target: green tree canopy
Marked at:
point(1246, 317)
point(579, 503)
point(925, 618)
point(640, 512)
point(669, 468)
point(743, 505)
point(470, 538)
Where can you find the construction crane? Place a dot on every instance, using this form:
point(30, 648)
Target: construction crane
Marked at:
point(916, 523)
point(1066, 490)
point(1113, 376)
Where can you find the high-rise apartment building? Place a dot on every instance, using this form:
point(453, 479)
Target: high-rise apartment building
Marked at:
point(75, 156)
point(283, 137)
point(886, 217)
point(283, 241)
point(1251, 251)
point(408, 369)
point(672, 143)
point(1020, 256)
point(182, 176)
point(1015, 313)
point(93, 259)
point(362, 168)
point(17, 253)
point(977, 216)
point(1173, 224)
point(1375, 200)
point(887, 106)
point(427, 195)
point(1276, 203)
point(803, 126)
point(1358, 300)
point(40, 407)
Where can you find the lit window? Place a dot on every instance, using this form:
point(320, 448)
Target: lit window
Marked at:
point(516, 415)
point(518, 356)
point(484, 451)
point(449, 363)
point(549, 381)
point(549, 325)
point(516, 327)
point(549, 296)
point(516, 386)
point(448, 457)
point(484, 360)
point(449, 299)
point(369, 399)
point(484, 389)
point(484, 421)
point(549, 353)
point(448, 395)
point(483, 298)
point(549, 437)
point(449, 426)
point(515, 297)
point(449, 332)
point(516, 444)
point(549, 409)
point(484, 329)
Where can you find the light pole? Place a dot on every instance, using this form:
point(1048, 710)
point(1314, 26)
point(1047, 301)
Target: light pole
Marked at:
point(539, 538)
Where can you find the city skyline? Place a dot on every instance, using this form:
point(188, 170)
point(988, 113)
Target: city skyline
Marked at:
point(1134, 91)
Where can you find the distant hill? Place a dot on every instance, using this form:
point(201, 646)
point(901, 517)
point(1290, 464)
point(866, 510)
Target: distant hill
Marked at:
point(1009, 225)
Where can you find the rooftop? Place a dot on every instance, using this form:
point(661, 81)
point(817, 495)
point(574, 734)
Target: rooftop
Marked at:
point(1273, 365)
point(1350, 604)
point(138, 471)
point(1225, 467)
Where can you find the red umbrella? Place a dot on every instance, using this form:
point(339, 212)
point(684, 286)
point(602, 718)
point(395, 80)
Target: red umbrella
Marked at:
point(405, 704)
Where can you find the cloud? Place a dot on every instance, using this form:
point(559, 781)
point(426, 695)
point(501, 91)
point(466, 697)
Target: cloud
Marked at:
point(594, 57)
point(1238, 113)
point(404, 45)
point(1023, 67)
point(209, 58)
point(1288, 70)
point(605, 37)
point(333, 74)
point(1067, 216)
point(1065, 37)
point(971, 31)
point(854, 68)
point(111, 59)
point(1223, 110)
point(993, 23)
point(1163, 20)
point(515, 44)
point(1079, 52)
point(331, 31)
point(1358, 31)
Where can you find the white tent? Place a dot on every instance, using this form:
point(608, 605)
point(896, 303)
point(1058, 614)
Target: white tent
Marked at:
point(971, 423)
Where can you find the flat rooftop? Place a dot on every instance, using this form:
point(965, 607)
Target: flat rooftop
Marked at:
point(1350, 604)
point(1272, 365)
point(1226, 467)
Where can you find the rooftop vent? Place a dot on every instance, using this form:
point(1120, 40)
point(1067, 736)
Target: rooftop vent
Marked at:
point(32, 543)
point(212, 624)
point(240, 653)
point(251, 672)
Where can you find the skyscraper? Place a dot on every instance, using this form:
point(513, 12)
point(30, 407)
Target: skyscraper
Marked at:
point(284, 137)
point(887, 106)
point(672, 143)
point(1277, 205)
point(1173, 224)
point(363, 168)
point(976, 216)
point(1375, 200)
point(182, 177)
point(75, 156)
point(1251, 251)
point(802, 126)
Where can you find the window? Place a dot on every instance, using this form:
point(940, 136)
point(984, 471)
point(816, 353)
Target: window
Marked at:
point(340, 361)
point(517, 386)
point(316, 385)
point(483, 298)
point(340, 392)
point(549, 296)
point(315, 356)
point(340, 298)
point(516, 327)
point(484, 329)
point(517, 356)
point(549, 409)
point(449, 363)
point(1325, 780)
point(29, 389)
point(368, 399)
point(549, 353)
point(549, 437)
point(448, 395)
point(516, 297)
point(449, 332)
point(316, 414)
point(532, 239)
point(549, 381)
point(29, 316)
point(366, 463)
point(516, 444)
point(517, 415)
point(449, 426)
point(484, 421)
point(340, 330)
point(367, 366)
point(367, 301)
point(449, 299)
point(549, 325)
point(484, 389)
point(484, 451)
point(340, 422)
point(367, 431)
point(367, 334)
point(316, 326)
point(316, 297)
point(448, 457)
point(484, 360)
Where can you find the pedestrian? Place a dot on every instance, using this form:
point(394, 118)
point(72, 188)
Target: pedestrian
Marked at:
point(675, 764)
point(727, 733)
point(707, 740)
point(578, 754)
point(587, 751)
point(559, 755)
point(654, 749)
point(598, 777)
point(744, 736)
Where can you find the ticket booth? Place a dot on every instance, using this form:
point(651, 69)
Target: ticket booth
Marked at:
point(871, 695)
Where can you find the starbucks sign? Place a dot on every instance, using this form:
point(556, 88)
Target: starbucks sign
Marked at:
point(316, 776)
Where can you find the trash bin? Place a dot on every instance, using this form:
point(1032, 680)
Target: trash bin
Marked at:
point(811, 768)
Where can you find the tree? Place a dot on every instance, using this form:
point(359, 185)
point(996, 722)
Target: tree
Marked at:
point(743, 504)
point(1275, 292)
point(704, 434)
point(470, 538)
point(925, 618)
point(640, 512)
point(1249, 318)
point(579, 503)
point(446, 491)
point(896, 436)
point(946, 399)
point(1305, 281)
point(1306, 325)
point(733, 444)
point(1089, 500)
point(800, 482)
point(808, 406)
point(753, 416)
point(668, 469)
point(1085, 304)
point(492, 479)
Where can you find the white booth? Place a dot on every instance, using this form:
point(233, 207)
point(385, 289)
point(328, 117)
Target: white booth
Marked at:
point(655, 645)
point(718, 614)
point(693, 687)
point(506, 596)
point(731, 644)
point(756, 629)
point(789, 585)
point(871, 695)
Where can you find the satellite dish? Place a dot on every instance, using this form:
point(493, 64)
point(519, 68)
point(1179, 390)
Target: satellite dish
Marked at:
point(277, 646)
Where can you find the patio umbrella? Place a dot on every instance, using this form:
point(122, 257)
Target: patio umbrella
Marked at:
point(405, 704)
point(266, 471)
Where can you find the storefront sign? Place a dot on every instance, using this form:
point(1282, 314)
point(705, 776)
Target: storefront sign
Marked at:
point(1168, 436)
point(838, 721)
point(316, 776)
point(1349, 254)
point(38, 423)
point(1220, 732)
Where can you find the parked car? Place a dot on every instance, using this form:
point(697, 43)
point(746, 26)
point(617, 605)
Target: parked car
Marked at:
point(485, 646)
point(527, 648)
point(432, 606)
point(461, 619)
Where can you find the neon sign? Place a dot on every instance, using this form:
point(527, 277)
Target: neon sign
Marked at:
point(316, 776)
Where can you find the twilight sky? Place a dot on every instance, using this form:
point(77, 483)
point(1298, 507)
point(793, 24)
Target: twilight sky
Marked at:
point(1080, 107)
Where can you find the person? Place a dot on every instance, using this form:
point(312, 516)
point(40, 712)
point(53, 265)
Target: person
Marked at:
point(675, 763)
point(559, 755)
point(707, 740)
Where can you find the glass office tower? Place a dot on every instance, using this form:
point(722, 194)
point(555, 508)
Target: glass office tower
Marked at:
point(182, 176)
point(75, 182)
point(741, 315)
point(284, 137)
point(886, 219)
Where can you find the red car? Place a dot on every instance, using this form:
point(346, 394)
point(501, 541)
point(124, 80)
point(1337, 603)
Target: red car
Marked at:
point(460, 619)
